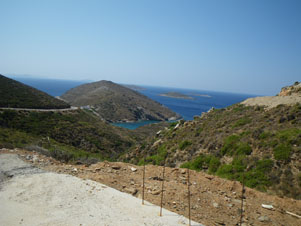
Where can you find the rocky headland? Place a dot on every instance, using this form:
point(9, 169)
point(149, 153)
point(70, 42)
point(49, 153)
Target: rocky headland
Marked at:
point(116, 103)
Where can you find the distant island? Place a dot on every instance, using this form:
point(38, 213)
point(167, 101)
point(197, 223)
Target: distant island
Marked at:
point(134, 87)
point(200, 95)
point(176, 95)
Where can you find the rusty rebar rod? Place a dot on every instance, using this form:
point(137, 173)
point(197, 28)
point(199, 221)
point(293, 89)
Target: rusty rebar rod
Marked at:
point(188, 188)
point(162, 188)
point(242, 200)
point(143, 181)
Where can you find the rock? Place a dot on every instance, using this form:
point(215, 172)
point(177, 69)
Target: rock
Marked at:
point(269, 207)
point(35, 158)
point(220, 222)
point(236, 200)
point(215, 205)
point(74, 170)
point(157, 142)
point(116, 167)
point(132, 191)
point(183, 171)
point(133, 169)
point(156, 178)
point(209, 177)
point(264, 219)
point(156, 192)
point(28, 157)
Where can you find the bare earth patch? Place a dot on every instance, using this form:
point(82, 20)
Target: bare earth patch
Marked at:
point(272, 101)
point(35, 197)
point(214, 201)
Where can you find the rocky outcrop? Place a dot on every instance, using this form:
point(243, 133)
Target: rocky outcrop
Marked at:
point(291, 90)
point(288, 95)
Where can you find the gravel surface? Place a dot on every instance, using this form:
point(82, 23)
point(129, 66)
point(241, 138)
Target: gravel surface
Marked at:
point(30, 196)
point(272, 101)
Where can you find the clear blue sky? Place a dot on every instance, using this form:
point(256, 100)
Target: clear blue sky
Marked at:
point(243, 46)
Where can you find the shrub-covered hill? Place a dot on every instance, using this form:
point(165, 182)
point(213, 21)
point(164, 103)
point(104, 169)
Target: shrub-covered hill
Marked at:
point(69, 135)
point(263, 144)
point(115, 103)
point(79, 130)
point(14, 94)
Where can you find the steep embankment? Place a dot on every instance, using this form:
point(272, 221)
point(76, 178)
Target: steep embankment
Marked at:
point(262, 143)
point(115, 103)
point(15, 94)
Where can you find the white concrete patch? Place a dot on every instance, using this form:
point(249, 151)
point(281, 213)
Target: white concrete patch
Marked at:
point(59, 199)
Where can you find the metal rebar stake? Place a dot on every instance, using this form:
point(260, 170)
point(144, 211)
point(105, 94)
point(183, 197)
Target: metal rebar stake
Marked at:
point(188, 188)
point(143, 182)
point(162, 189)
point(242, 199)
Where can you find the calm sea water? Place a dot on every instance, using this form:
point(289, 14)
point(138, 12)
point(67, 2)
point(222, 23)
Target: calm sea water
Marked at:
point(202, 100)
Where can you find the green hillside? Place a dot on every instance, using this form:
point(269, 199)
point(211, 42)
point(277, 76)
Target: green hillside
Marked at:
point(69, 135)
point(263, 145)
point(78, 129)
point(15, 94)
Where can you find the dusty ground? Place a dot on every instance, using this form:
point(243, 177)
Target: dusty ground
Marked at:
point(214, 201)
point(273, 101)
point(30, 196)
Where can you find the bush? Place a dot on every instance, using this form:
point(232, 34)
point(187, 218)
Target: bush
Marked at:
point(230, 144)
point(173, 124)
point(184, 144)
point(214, 164)
point(157, 159)
point(241, 122)
point(198, 131)
point(299, 179)
point(290, 136)
point(239, 108)
point(282, 152)
point(265, 135)
point(243, 149)
point(225, 171)
point(203, 161)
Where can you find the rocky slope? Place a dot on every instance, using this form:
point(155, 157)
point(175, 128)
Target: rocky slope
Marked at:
point(14, 94)
point(116, 103)
point(291, 90)
point(258, 144)
point(288, 95)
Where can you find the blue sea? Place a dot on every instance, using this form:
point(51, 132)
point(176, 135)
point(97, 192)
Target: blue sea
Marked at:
point(202, 100)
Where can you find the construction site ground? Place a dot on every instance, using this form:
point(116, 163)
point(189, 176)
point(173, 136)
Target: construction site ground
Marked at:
point(214, 201)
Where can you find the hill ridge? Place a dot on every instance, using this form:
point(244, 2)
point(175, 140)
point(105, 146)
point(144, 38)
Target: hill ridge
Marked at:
point(14, 94)
point(117, 103)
